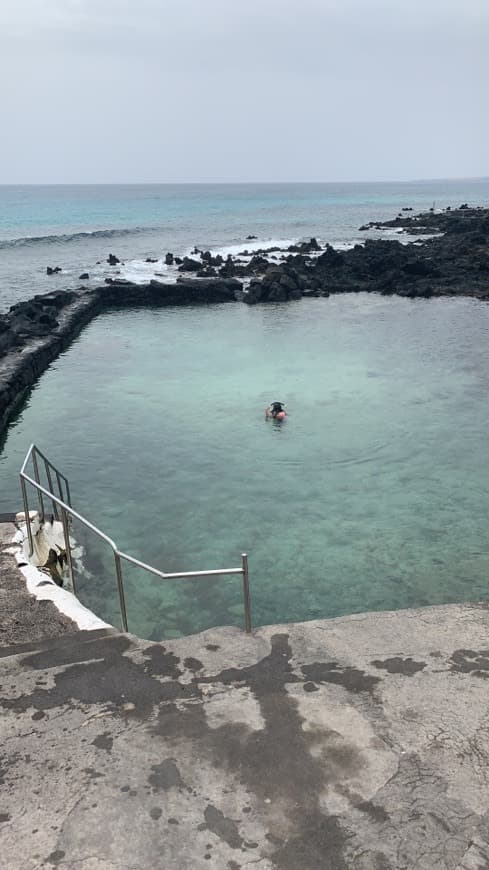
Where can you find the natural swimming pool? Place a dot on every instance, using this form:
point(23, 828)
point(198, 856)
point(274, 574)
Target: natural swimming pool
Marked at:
point(371, 496)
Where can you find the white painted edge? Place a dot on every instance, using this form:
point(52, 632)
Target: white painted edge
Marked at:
point(43, 587)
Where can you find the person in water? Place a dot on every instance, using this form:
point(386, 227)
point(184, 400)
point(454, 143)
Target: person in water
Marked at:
point(275, 408)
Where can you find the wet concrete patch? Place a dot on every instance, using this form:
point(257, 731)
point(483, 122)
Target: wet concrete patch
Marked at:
point(103, 741)
point(161, 663)
point(92, 773)
point(352, 679)
point(104, 647)
point(294, 778)
point(398, 665)
point(193, 664)
point(165, 776)
point(55, 857)
point(310, 687)
point(102, 674)
point(222, 827)
point(376, 812)
point(320, 844)
point(468, 661)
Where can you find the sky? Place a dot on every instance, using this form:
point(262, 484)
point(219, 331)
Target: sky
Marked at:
point(98, 91)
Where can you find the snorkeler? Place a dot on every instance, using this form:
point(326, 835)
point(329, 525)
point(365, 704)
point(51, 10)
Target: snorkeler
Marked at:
point(276, 410)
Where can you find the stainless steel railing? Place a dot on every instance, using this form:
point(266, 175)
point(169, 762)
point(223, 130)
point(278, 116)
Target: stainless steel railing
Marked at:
point(62, 508)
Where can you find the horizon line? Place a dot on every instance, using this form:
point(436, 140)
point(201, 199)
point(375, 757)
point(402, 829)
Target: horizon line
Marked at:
point(234, 183)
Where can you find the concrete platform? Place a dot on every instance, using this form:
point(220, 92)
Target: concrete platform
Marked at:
point(360, 742)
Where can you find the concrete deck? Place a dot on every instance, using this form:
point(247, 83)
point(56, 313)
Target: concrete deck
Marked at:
point(360, 743)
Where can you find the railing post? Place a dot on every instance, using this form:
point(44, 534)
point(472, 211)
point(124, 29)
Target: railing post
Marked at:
point(122, 602)
point(38, 479)
point(69, 560)
point(60, 487)
point(68, 493)
point(246, 593)
point(48, 475)
point(27, 516)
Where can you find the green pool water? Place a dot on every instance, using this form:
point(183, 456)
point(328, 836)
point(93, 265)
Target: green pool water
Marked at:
point(373, 494)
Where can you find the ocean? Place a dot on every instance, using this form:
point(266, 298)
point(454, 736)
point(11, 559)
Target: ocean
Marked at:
point(76, 227)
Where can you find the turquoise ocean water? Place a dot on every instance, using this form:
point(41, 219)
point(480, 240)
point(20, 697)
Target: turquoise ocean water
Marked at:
point(76, 227)
point(372, 495)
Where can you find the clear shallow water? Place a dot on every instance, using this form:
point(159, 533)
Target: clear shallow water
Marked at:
point(77, 226)
point(371, 496)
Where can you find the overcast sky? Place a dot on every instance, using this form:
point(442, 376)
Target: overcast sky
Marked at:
point(243, 90)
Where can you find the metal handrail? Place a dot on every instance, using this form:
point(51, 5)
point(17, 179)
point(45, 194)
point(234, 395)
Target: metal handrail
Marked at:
point(67, 510)
point(34, 452)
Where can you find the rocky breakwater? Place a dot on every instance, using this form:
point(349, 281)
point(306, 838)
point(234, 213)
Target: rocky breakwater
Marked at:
point(33, 333)
point(453, 261)
point(185, 291)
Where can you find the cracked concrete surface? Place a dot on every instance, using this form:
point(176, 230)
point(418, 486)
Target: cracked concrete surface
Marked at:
point(359, 742)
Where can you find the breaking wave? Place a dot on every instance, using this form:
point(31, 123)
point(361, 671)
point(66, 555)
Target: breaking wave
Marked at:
point(73, 237)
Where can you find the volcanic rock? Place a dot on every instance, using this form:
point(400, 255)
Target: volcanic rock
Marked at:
point(189, 265)
point(305, 247)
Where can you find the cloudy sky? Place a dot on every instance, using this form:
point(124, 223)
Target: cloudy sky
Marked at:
point(243, 90)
